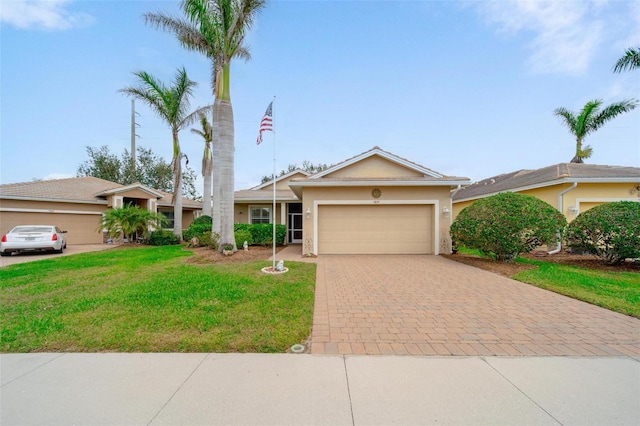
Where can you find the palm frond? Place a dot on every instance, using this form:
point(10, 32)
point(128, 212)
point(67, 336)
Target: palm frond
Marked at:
point(612, 111)
point(630, 60)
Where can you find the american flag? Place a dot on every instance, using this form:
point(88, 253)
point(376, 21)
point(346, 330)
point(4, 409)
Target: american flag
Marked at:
point(267, 123)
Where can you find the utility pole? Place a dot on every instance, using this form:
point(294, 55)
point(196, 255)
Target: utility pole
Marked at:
point(133, 134)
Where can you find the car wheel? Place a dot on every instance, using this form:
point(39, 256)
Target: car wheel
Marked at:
point(7, 253)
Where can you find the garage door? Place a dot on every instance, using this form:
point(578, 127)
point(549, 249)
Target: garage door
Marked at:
point(375, 229)
point(82, 228)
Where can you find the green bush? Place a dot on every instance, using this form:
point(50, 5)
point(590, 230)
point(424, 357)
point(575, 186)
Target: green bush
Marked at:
point(507, 224)
point(610, 231)
point(242, 236)
point(197, 228)
point(209, 239)
point(163, 237)
point(262, 233)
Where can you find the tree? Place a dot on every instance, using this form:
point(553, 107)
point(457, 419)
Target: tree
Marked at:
point(171, 104)
point(630, 60)
point(207, 162)
point(130, 222)
point(217, 29)
point(307, 166)
point(150, 170)
point(590, 119)
point(507, 224)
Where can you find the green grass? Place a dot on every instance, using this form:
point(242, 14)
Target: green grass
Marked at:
point(617, 291)
point(147, 299)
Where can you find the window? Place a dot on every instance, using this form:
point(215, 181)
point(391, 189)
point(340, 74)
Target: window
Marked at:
point(260, 215)
point(170, 219)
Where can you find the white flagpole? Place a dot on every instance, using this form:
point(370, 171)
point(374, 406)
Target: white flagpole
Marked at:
point(273, 218)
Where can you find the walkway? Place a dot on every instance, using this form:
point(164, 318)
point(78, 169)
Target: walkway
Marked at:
point(428, 305)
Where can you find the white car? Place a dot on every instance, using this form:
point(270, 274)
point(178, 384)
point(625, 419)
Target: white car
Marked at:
point(33, 238)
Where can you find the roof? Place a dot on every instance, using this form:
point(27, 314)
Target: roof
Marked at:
point(85, 189)
point(281, 178)
point(263, 195)
point(423, 175)
point(552, 175)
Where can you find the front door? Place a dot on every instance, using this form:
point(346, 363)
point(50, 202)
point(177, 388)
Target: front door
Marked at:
point(294, 223)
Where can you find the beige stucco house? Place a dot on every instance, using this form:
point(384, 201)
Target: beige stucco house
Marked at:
point(375, 202)
point(570, 187)
point(76, 205)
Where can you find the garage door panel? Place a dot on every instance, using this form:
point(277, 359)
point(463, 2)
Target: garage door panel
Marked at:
point(375, 229)
point(82, 228)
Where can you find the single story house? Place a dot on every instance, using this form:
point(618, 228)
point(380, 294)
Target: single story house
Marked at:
point(373, 203)
point(570, 187)
point(77, 204)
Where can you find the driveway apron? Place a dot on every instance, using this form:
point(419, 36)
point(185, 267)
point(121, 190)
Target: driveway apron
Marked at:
point(429, 305)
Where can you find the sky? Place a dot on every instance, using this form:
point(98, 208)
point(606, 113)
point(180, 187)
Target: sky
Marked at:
point(463, 88)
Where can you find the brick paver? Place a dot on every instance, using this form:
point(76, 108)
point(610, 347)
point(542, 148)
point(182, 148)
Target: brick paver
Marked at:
point(429, 305)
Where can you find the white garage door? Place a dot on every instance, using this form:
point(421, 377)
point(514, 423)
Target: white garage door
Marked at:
point(375, 229)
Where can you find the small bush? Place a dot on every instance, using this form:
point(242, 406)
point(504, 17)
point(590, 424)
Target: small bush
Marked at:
point(209, 239)
point(507, 224)
point(610, 231)
point(242, 236)
point(262, 233)
point(163, 237)
point(197, 228)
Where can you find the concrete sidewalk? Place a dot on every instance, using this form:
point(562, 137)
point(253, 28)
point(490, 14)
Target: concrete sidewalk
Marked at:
point(160, 389)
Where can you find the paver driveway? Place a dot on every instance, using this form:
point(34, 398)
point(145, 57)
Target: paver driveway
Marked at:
point(429, 305)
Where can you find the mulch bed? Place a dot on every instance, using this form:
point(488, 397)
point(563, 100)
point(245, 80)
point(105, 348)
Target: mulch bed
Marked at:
point(205, 255)
point(510, 269)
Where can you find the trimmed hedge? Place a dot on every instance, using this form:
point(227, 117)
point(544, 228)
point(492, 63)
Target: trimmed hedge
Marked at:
point(197, 228)
point(610, 231)
point(507, 224)
point(163, 238)
point(261, 233)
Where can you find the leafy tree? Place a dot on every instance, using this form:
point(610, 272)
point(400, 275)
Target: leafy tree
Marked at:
point(101, 164)
point(610, 231)
point(590, 119)
point(206, 132)
point(630, 60)
point(217, 29)
point(171, 104)
point(150, 170)
point(130, 222)
point(507, 224)
point(307, 166)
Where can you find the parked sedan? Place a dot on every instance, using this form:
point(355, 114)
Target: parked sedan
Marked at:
point(33, 238)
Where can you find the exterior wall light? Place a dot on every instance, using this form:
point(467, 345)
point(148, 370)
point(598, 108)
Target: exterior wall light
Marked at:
point(445, 211)
point(308, 212)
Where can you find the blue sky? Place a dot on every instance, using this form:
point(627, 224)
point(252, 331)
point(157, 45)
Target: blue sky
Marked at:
point(464, 88)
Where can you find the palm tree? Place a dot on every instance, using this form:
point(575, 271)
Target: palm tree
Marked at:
point(130, 221)
point(590, 119)
point(207, 161)
point(630, 60)
point(171, 105)
point(217, 29)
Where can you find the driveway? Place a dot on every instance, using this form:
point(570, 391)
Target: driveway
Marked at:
point(71, 249)
point(429, 305)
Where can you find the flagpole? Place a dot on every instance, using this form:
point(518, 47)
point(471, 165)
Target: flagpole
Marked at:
point(273, 266)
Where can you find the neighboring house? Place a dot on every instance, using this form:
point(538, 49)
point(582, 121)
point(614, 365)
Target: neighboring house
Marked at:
point(77, 204)
point(375, 202)
point(572, 188)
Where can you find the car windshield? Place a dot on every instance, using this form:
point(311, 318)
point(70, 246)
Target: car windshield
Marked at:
point(19, 229)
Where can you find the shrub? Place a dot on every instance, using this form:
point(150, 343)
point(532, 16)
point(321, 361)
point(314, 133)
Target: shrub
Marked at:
point(163, 237)
point(507, 224)
point(197, 228)
point(610, 231)
point(209, 239)
point(242, 236)
point(262, 233)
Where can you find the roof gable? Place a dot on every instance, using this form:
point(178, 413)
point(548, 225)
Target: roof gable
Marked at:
point(282, 182)
point(376, 163)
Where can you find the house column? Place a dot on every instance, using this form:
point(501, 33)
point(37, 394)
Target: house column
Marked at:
point(283, 213)
point(117, 201)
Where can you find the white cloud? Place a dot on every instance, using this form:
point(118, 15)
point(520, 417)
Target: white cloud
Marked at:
point(566, 35)
point(42, 14)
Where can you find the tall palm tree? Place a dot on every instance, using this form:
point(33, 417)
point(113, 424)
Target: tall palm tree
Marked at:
point(171, 104)
point(590, 119)
point(217, 29)
point(630, 60)
point(207, 161)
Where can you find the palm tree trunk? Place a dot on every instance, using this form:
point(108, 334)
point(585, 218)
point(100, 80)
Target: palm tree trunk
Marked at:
point(177, 187)
point(578, 157)
point(206, 197)
point(215, 180)
point(223, 117)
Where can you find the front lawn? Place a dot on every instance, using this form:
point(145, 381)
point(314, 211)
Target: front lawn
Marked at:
point(147, 299)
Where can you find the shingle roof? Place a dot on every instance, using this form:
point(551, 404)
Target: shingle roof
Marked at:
point(546, 176)
point(79, 189)
point(263, 194)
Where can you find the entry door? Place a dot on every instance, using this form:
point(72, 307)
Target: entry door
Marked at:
point(295, 222)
